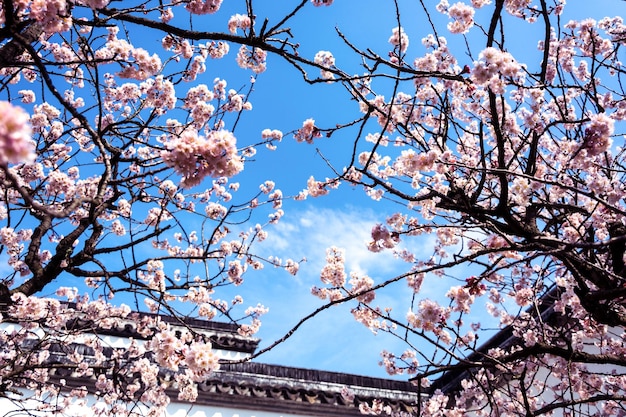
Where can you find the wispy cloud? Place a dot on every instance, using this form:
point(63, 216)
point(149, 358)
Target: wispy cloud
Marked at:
point(333, 340)
point(309, 232)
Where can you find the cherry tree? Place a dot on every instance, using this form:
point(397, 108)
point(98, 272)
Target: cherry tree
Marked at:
point(118, 180)
point(511, 165)
point(515, 171)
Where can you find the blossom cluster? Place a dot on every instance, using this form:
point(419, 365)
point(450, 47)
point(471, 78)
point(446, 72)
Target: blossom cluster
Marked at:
point(203, 6)
point(462, 17)
point(195, 157)
point(493, 66)
point(326, 60)
point(598, 132)
point(382, 239)
point(253, 59)
point(239, 21)
point(334, 272)
point(53, 16)
point(308, 132)
point(49, 322)
point(399, 39)
point(362, 284)
point(172, 351)
point(430, 315)
point(16, 144)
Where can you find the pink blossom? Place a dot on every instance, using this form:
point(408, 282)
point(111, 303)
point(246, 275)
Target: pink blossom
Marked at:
point(215, 211)
point(252, 59)
point(429, 316)
point(16, 144)
point(60, 183)
point(316, 188)
point(462, 298)
point(326, 60)
point(160, 94)
point(166, 15)
point(168, 188)
point(410, 162)
point(307, 132)
point(216, 50)
point(51, 14)
point(33, 308)
point(10, 239)
point(516, 7)
point(197, 95)
point(239, 21)
point(201, 113)
point(28, 96)
point(361, 284)
point(235, 272)
point(382, 238)
point(124, 208)
point(291, 266)
point(118, 228)
point(184, 49)
point(318, 3)
point(272, 134)
point(334, 272)
point(201, 360)
point(167, 348)
point(196, 157)
point(414, 281)
point(399, 39)
point(523, 295)
point(347, 394)
point(477, 4)
point(203, 6)
point(442, 6)
point(492, 65)
point(155, 216)
point(43, 116)
point(463, 18)
point(597, 137)
point(146, 65)
point(95, 4)
point(236, 102)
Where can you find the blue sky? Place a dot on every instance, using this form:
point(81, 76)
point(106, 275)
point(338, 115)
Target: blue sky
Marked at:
point(333, 340)
point(281, 100)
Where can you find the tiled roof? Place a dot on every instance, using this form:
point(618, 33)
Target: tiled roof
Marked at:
point(301, 391)
point(256, 386)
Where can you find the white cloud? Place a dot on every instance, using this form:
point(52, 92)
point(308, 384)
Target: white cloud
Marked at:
point(308, 233)
point(333, 340)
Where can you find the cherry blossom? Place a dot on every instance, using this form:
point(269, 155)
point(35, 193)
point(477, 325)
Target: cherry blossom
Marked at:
point(490, 157)
point(195, 157)
point(326, 60)
point(334, 272)
point(307, 132)
point(239, 21)
point(253, 59)
point(399, 39)
point(16, 144)
point(496, 168)
point(318, 3)
point(597, 137)
point(203, 6)
point(462, 16)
